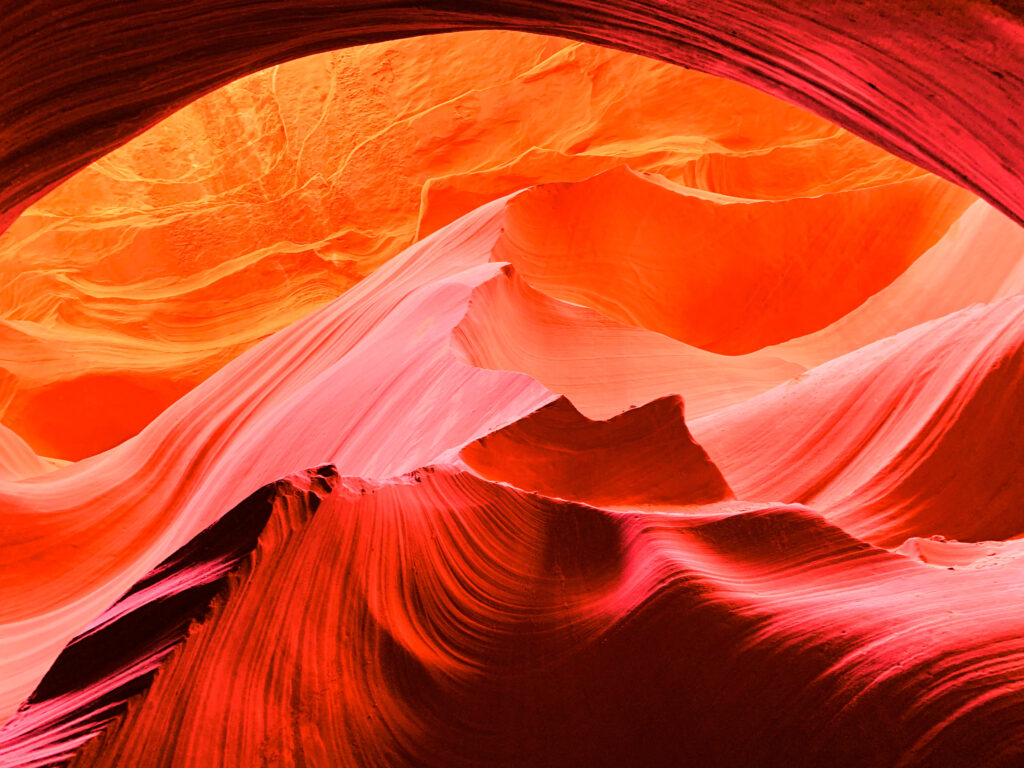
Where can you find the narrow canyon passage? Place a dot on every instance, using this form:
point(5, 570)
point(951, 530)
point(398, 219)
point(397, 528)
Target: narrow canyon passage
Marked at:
point(491, 398)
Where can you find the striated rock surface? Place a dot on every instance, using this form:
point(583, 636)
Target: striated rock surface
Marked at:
point(263, 201)
point(913, 435)
point(453, 621)
point(366, 383)
point(343, 413)
point(935, 83)
point(431, 616)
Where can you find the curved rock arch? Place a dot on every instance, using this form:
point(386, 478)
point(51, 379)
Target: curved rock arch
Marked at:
point(937, 83)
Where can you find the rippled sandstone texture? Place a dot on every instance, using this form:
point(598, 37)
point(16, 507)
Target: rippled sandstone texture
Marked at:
point(510, 607)
point(152, 268)
point(452, 621)
point(456, 516)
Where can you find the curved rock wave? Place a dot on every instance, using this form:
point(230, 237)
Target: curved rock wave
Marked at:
point(515, 549)
point(310, 392)
point(935, 83)
point(411, 618)
point(152, 268)
point(723, 274)
point(440, 619)
point(913, 435)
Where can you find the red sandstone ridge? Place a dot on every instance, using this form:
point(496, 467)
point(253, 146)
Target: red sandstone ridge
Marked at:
point(643, 456)
point(451, 621)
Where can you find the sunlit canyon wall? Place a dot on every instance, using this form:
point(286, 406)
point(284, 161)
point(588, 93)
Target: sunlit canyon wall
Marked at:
point(491, 398)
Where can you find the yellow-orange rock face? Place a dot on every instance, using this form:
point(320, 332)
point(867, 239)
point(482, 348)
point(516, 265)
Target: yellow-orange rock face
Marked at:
point(149, 270)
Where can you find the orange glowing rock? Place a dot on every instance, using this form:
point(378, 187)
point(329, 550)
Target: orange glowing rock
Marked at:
point(729, 275)
point(980, 259)
point(373, 366)
point(335, 387)
point(264, 200)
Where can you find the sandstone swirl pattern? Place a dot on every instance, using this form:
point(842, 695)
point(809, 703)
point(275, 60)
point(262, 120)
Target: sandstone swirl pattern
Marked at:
point(493, 399)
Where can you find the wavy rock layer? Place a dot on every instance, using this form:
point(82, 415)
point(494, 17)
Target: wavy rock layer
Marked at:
point(728, 275)
point(914, 435)
point(442, 618)
point(394, 356)
point(451, 621)
point(334, 388)
point(603, 366)
point(500, 561)
point(265, 200)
